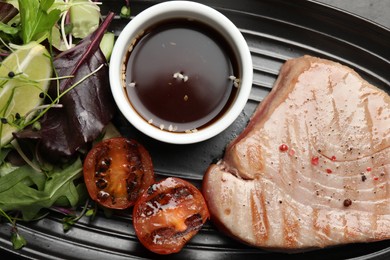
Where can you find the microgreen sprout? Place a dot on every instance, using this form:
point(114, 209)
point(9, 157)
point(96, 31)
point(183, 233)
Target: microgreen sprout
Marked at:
point(70, 220)
point(125, 10)
point(17, 240)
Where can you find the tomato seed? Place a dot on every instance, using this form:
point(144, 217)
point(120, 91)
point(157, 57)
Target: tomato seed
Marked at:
point(104, 165)
point(102, 195)
point(101, 184)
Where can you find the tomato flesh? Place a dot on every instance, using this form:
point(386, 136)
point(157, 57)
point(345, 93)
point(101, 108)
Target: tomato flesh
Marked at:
point(168, 215)
point(117, 171)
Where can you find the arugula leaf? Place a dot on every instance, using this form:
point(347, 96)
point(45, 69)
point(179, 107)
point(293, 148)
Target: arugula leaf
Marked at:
point(36, 20)
point(32, 191)
point(19, 174)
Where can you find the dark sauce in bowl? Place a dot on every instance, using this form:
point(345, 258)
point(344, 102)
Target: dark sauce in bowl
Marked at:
point(181, 75)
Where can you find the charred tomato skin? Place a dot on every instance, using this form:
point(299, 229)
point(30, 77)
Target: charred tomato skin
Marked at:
point(168, 214)
point(117, 171)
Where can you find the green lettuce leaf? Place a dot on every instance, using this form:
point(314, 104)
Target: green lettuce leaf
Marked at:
point(36, 19)
point(29, 191)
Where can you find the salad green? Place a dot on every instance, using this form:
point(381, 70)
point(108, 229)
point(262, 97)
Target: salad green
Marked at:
point(71, 32)
point(28, 191)
point(36, 19)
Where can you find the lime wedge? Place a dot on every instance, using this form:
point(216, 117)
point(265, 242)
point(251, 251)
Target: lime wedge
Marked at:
point(23, 76)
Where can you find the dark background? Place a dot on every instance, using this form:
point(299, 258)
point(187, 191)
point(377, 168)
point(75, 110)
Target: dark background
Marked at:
point(375, 10)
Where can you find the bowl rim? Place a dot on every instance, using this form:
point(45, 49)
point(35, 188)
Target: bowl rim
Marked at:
point(190, 10)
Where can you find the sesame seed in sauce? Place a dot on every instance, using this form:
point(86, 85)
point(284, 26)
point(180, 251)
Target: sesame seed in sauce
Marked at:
point(236, 83)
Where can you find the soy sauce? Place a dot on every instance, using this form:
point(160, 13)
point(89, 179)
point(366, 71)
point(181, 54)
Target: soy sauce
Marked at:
point(180, 75)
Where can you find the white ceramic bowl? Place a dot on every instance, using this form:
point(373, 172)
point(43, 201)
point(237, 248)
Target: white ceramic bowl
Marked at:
point(189, 10)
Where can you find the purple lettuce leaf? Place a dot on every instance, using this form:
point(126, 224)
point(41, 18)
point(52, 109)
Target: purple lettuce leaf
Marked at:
point(7, 12)
point(87, 108)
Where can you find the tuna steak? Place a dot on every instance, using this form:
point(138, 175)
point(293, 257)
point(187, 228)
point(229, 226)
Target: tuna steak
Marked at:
point(312, 167)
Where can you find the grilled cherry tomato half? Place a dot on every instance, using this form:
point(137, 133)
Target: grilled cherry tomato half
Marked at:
point(117, 171)
point(168, 215)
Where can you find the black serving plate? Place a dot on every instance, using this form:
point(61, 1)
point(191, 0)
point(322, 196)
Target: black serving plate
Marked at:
point(275, 30)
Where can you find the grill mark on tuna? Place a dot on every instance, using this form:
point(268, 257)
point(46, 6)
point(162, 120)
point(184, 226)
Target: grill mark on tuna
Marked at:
point(290, 227)
point(321, 228)
point(368, 119)
point(259, 216)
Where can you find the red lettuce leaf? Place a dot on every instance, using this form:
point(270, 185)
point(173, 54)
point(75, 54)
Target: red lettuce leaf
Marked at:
point(87, 108)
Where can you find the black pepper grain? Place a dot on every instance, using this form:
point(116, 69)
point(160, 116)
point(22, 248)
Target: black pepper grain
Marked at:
point(347, 202)
point(364, 178)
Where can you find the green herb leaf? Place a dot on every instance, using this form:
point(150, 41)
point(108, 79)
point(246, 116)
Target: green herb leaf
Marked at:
point(90, 212)
point(17, 240)
point(8, 29)
point(36, 20)
point(67, 223)
point(125, 12)
point(29, 191)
